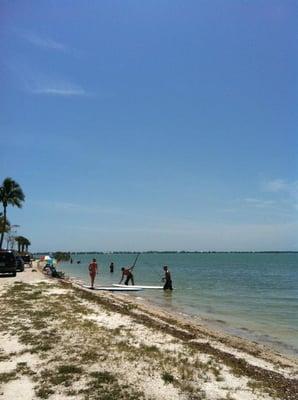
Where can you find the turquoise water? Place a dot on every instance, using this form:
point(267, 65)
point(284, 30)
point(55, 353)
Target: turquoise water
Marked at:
point(254, 295)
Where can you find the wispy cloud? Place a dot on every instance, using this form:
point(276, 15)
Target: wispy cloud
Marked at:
point(280, 196)
point(60, 90)
point(50, 87)
point(288, 189)
point(275, 185)
point(77, 208)
point(36, 82)
point(281, 185)
point(259, 203)
point(44, 42)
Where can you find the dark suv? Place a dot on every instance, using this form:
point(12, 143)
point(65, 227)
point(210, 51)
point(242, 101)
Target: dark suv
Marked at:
point(8, 264)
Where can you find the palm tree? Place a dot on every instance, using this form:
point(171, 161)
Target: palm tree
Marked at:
point(4, 227)
point(27, 243)
point(12, 194)
point(23, 243)
point(19, 240)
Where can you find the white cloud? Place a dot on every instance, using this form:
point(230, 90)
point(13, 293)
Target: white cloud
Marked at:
point(276, 185)
point(39, 83)
point(43, 42)
point(259, 203)
point(281, 185)
point(60, 91)
point(52, 88)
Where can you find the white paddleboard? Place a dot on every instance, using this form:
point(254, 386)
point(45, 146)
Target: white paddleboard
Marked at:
point(112, 288)
point(138, 286)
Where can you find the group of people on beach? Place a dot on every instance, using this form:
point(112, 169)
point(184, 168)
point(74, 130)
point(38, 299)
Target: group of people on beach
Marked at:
point(127, 275)
point(50, 270)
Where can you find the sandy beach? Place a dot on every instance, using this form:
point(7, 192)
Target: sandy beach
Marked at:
point(60, 341)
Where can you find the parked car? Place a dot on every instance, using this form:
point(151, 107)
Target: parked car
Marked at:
point(20, 263)
point(27, 259)
point(8, 263)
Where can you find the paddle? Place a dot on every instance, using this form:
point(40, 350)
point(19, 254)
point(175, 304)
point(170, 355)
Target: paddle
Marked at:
point(134, 264)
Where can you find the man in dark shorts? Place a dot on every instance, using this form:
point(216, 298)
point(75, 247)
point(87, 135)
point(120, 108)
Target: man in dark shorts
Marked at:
point(126, 272)
point(167, 279)
point(92, 272)
point(111, 267)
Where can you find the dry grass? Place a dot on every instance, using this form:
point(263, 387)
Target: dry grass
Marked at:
point(86, 360)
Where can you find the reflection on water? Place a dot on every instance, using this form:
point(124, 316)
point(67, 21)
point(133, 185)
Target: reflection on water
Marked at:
point(168, 297)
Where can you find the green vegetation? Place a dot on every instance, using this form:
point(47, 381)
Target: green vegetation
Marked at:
point(61, 256)
point(7, 376)
point(64, 375)
point(54, 328)
point(150, 349)
point(105, 386)
point(103, 377)
point(167, 377)
point(21, 369)
point(12, 194)
point(44, 392)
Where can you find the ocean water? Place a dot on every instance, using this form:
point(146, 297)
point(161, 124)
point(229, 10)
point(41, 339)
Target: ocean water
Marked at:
point(253, 295)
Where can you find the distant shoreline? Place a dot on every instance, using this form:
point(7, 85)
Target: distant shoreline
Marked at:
point(172, 252)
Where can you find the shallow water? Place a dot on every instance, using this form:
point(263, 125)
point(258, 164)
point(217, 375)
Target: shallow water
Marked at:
point(253, 295)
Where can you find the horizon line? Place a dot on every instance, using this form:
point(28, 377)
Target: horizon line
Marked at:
point(163, 251)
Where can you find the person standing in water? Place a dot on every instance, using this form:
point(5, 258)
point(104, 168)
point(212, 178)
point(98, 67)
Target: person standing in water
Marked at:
point(167, 279)
point(112, 267)
point(126, 272)
point(92, 272)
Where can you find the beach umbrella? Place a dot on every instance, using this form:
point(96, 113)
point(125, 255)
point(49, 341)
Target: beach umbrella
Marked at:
point(49, 260)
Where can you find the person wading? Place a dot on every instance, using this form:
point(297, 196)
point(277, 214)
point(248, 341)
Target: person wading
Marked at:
point(92, 272)
point(167, 279)
point(126, 272)
point(111, 267)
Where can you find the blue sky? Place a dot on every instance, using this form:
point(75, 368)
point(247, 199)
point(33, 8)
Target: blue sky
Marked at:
point(151, 125)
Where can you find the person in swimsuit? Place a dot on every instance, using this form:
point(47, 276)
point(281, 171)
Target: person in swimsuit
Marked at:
point(126, 272)
point(167, 279)
point(92, 272)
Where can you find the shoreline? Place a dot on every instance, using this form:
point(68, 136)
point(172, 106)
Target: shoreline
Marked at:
point(173, 357)
point(200, 325)
point(245, 333)
point(254, 295)
point(216, 324)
